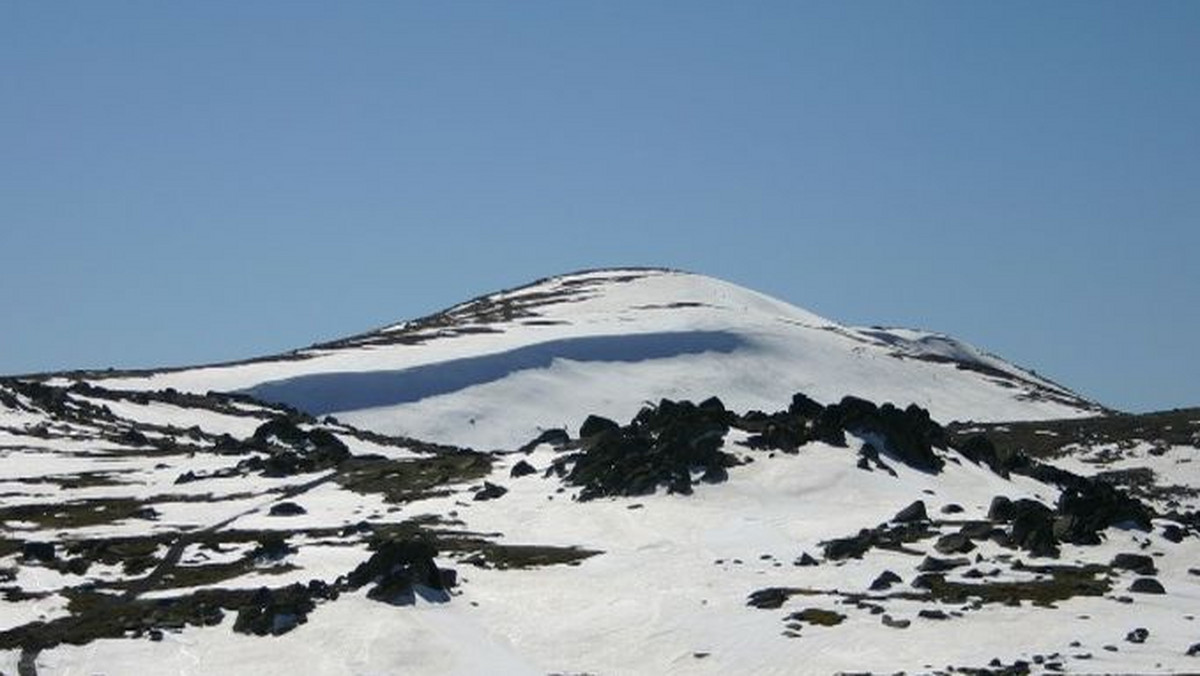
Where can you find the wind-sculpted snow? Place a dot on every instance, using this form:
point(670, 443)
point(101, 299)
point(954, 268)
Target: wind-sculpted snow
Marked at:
point(321, 393)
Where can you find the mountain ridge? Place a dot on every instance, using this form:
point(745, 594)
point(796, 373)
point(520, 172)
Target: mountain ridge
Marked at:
point(542, 340)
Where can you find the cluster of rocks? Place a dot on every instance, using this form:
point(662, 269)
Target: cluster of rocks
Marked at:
point(399, 570)
point(665, 445)
point(286, 449)
point(907, 435)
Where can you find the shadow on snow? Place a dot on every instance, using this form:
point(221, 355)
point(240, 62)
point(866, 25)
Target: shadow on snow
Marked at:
point(322, 393)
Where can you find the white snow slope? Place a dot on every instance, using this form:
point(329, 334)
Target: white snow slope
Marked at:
point(492, 372)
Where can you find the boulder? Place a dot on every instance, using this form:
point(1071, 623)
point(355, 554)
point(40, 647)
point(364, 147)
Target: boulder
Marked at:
point(521, 469)
point(885, 580)
point(490, 491)
point(1138, 635)
point(271, 612)
point(399, 569)
point(286, 509)
point(954, 543)
point(1138, 563)
point(1147, 585)
point(914, 512)
point(595, 425)
point(38, 551)
point(933, 564)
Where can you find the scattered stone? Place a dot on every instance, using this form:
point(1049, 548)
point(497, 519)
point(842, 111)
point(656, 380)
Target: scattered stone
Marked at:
point(851, 547)
point(1173, 533)
point(769, 598)
point(555, 437)
point(952, 508)
point(1194, 650)
point(1138, 635)
point(521, 469)
point(271, 548)
point(889, 621)
point(38, 551)
point(933, 564)
point(274, 612)
point(286, 509)
point(954, 543)
point(490, 491)
point(1147, 585)
point(912, 513)
point(885, 580)
point(400, 569)
point(1138, 563)
point(931, 614)
point(806, 560)
point(817, 616)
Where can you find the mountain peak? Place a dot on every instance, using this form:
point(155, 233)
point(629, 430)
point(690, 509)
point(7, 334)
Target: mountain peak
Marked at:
point(482, 373)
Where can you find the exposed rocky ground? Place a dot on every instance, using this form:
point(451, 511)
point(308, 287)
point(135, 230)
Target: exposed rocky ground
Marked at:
point(121, 523)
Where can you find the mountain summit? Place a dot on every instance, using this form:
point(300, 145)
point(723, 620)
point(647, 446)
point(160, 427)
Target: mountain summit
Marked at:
point(493, 371)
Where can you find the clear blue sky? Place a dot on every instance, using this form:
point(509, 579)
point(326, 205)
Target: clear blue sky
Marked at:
point(185, 182)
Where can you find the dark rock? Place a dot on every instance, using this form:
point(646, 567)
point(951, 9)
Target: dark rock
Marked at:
point(595, 425)
point(271, 548)
point(400, 569)
point(769, 598)
point(885, 580)
point(521, 469)
point(931, 614)
point(490, 491)
point(556, 437)
point(1001, 510)
point(851, 547)
point(952, 508)
point(954, 543)
point(38, 551)
point(1033, 528)
point(1138, 635)
point(145, 513)
point(888, 621)
point(980, 450)
point(274, 612)
point(914, 512)
point(155, 635)
point(1147, 585)
point(1194, 650)
point(979, 530)
point(817, 616)
point(1138, 563)
point(286, 509)
point(909, 435)
point(805, 407)
point(932, 564)
point(186, 478)
point(663, 446)
point(1173, 533)
point(289, 449)
point(806, 560)
point(1088, 507)
point(927, 580)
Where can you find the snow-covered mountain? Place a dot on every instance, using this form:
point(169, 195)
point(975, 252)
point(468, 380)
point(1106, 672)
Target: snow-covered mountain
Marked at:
point(494, 371)
point(519, 485)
